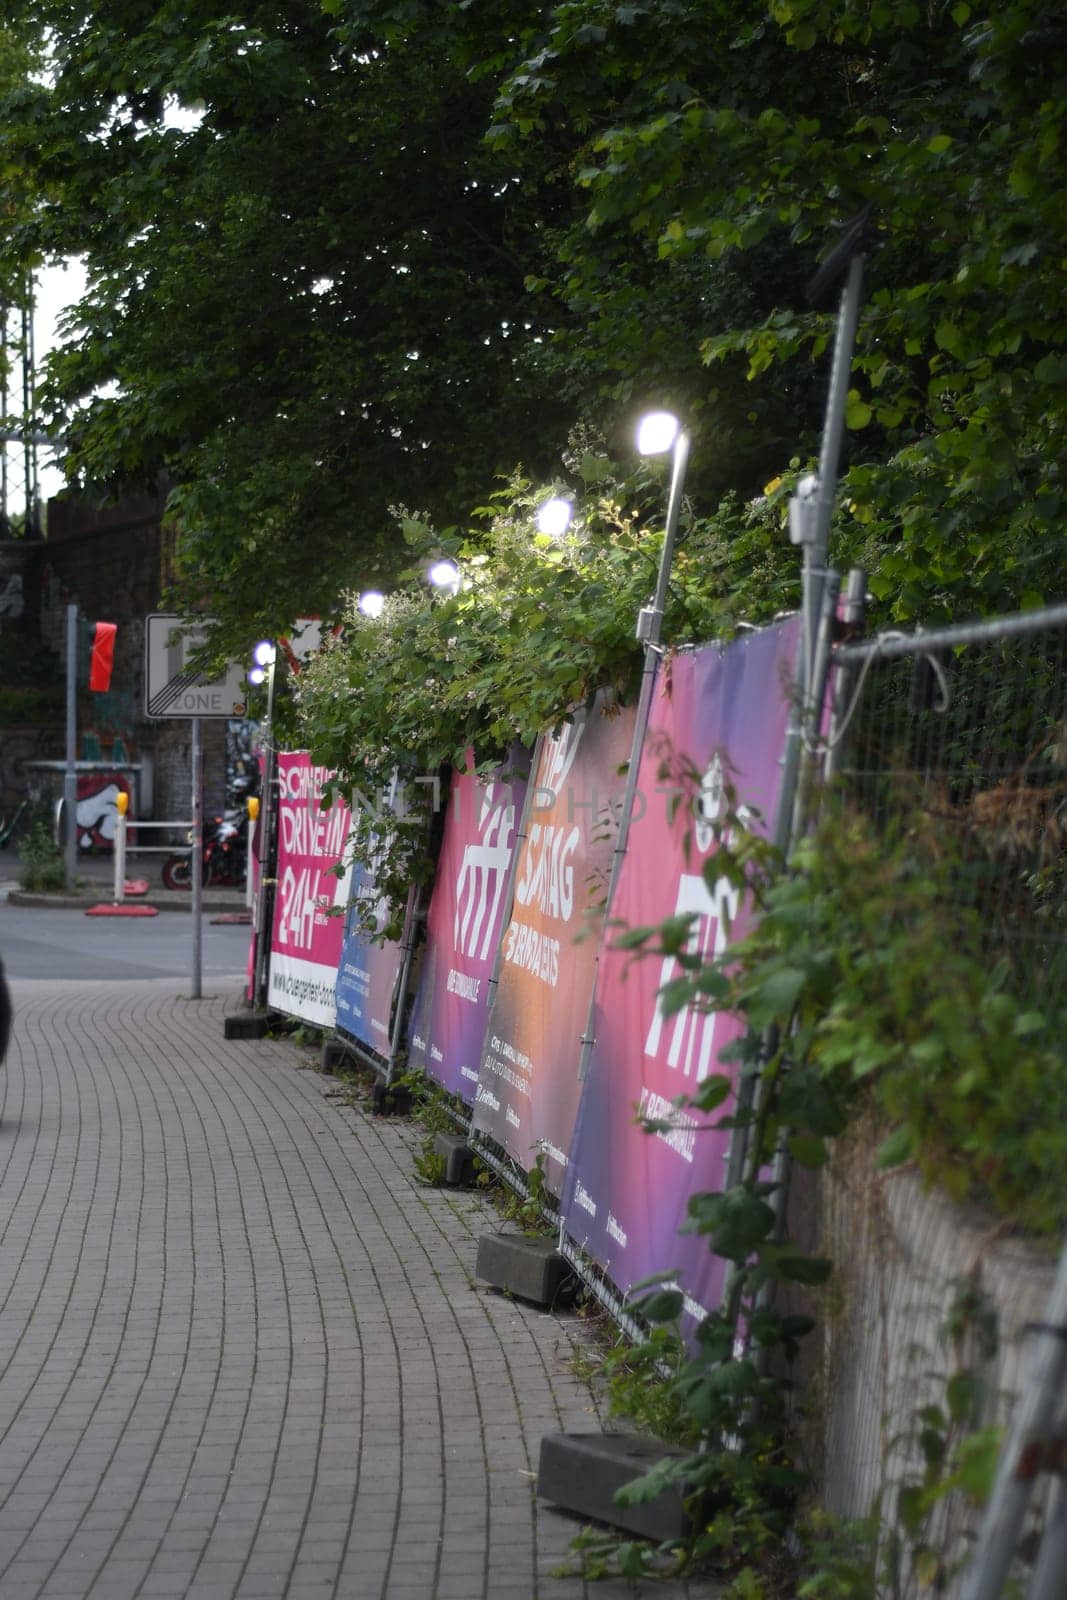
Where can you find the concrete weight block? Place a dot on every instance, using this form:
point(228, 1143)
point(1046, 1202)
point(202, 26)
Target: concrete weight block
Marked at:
point(458, 1157)
point(334, 1054)
point(580, 1472)
point(390, 1100)
point(247, 1025)
point(531, 1268)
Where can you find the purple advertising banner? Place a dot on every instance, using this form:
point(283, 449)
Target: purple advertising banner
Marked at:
point(306, 935)
point(463, 926)
point(527, 1093)
point(718, 717)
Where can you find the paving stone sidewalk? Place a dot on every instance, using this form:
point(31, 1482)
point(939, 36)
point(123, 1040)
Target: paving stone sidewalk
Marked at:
point(242, 1351)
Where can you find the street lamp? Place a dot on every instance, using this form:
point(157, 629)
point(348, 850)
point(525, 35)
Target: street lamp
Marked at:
point(263, 657)
point(658, 432)
point(372, 603)
point(554, 517)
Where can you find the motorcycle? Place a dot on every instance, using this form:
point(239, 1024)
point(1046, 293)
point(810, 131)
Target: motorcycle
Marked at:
point(225, 854)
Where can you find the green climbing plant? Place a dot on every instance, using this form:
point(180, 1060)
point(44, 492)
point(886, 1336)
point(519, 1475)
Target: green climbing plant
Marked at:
point(865, 983)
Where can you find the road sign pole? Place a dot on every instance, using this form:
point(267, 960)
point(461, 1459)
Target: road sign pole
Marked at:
point(70, 775)
point(197, 863)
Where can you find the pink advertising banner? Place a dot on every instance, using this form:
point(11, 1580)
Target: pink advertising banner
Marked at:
point(466, 914)
point(310, 898)
point(718, 717)
point(527, 1094)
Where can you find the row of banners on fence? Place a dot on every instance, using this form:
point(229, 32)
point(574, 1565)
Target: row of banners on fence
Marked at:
point(520, 953)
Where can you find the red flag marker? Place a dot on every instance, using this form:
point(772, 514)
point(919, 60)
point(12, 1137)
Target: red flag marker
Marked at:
point(103, 656)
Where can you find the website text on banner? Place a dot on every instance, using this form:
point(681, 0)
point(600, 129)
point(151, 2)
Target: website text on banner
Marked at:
point(305, 942)
point(463, 926)
point(719, 715)
point(369, 969)
point(527, 1094)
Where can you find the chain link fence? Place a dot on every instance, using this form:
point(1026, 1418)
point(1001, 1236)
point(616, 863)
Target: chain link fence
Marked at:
point(956, 741)
point(967, 727)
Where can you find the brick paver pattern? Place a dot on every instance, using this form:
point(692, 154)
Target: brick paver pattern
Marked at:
point(242, 1352)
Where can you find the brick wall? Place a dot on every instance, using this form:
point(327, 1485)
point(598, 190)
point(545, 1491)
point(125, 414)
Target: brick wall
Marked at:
point(113, 563)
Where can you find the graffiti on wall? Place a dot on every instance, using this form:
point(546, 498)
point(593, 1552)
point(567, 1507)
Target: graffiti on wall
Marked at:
point(97, 808)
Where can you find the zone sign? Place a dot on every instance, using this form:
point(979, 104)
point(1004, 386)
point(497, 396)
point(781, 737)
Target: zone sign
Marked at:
point(172, 687)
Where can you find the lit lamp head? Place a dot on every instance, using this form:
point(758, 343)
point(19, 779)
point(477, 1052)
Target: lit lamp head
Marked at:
point(372, 603)
point(657, 433)
point(554, 517)
point(444, 575)
point(263, 656)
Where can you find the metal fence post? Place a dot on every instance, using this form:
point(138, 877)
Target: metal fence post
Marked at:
point(1035, 1412)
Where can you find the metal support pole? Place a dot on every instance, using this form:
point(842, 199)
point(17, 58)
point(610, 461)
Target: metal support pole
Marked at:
point(852, 609)
point(810, 519)
point(70, 776)
point(412, 916)
point(815, 551)
point(679, 462)
point(1049, 1580)
point(1035, 1411)
point(197, 862)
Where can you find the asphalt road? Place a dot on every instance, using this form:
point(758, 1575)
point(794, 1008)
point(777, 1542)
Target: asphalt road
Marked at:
point(39, 943)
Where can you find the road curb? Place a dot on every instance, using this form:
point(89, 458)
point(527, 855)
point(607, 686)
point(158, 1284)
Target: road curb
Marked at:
point(82, 902)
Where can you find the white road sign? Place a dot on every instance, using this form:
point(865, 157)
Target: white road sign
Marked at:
point(172, 688)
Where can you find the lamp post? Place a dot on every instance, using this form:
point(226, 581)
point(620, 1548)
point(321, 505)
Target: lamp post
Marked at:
point(657, 433)
point(265, 657)
point(372, 603)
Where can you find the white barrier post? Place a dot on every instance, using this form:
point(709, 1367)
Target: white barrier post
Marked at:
point(122, 802)
point(253, 817)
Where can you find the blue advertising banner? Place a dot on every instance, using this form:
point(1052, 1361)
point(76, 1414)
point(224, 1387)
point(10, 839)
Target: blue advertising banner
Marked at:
point(369, 968)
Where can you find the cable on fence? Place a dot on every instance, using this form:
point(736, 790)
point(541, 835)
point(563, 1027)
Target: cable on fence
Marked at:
point(831, 741)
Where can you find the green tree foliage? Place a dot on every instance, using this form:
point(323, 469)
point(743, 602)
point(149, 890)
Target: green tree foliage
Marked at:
point(770, 123)
point(409, 244)
point(309, 304)
point(18, 59)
